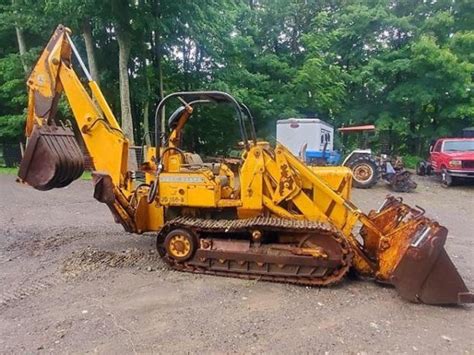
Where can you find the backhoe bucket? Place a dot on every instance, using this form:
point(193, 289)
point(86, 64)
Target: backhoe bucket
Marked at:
point(52, 158)
point(411, 256)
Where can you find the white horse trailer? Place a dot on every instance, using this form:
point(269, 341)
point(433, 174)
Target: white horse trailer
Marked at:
point(311, 133)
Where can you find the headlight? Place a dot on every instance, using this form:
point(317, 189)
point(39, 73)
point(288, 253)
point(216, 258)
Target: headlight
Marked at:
point(455, 163)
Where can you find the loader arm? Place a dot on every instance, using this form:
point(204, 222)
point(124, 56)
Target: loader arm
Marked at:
point(396, 244)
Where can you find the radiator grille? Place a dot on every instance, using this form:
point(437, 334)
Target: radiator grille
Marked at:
point(468, 164)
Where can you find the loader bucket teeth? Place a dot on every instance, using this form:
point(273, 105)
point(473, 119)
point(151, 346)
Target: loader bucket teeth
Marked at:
point(52, 158)
point(426, 274)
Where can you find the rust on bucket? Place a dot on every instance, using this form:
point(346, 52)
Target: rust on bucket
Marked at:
point(52, 158)
point(410, 255)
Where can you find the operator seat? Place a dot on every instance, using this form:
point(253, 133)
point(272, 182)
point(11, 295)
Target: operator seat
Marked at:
point(194, 160)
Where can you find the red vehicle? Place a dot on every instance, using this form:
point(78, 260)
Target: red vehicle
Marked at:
point(452, 158)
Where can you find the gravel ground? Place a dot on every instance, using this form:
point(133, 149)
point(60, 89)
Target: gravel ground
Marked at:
point(72, 281)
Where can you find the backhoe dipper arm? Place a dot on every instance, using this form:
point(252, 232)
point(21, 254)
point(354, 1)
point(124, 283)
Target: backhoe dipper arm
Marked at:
point(52, 75)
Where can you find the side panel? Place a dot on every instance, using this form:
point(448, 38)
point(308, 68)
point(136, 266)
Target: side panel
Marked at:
point(188, 189)
point(334, 176)
point(148, 217)
point(295, 133)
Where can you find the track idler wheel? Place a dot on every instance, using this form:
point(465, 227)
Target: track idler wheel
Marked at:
point(52, 158)
point(180, 244)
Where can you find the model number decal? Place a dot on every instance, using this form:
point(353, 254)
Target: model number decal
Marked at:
point(178, 178)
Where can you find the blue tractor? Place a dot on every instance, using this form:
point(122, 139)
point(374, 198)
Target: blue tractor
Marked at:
point(313, 141)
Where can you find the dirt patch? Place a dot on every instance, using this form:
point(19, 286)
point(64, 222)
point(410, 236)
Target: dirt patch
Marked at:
point(38, 246)
point(98, 260)
point(12, 297)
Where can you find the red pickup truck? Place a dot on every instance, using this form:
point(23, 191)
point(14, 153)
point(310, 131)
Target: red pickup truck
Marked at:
point(452, 158)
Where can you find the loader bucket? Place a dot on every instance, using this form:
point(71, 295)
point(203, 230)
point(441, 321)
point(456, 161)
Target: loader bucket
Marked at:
point(52, 158)
point(411, 256)
point(426, 274)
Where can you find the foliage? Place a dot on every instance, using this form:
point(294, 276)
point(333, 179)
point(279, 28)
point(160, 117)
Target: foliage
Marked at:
point(406, 66)
point(8, 171)
point(10, 126)
point(410, 161)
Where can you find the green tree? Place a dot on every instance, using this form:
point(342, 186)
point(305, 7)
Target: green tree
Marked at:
point(404, 65)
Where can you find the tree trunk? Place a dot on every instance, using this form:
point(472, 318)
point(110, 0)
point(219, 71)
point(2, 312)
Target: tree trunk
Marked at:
point(162, 95)
point(21, 44)
point(157, 60)
point(89, 41)
point(124, 43)
point(198, 60)
point(412, 142)
point(22, 47)
point(146, 111)
point(185, 65)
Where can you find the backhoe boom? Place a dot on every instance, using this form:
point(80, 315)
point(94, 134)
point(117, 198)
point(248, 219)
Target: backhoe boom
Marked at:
point(52, 75)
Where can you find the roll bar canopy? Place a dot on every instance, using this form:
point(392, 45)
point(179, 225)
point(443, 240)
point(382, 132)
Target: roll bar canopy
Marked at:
point(195, 97)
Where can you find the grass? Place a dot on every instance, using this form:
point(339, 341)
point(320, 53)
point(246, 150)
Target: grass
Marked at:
point(87, 175)
point(410, 161)
point(8, 171)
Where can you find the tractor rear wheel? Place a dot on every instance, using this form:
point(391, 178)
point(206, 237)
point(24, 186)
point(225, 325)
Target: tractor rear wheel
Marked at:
point(365, 171)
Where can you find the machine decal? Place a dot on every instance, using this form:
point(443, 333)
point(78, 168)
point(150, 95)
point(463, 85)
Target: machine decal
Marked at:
point(179, 178)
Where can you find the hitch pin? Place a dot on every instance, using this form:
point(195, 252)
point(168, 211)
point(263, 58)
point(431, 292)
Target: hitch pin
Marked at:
point(416, 243)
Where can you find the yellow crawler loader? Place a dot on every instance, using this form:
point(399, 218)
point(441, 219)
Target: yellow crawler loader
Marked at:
point(271, 217)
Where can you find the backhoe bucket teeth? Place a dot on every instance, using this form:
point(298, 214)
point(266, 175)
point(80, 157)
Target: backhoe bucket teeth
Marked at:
point(411, 255)
point(52, 158)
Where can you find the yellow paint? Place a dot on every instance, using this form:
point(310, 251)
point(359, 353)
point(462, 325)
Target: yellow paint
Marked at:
point(148, 217)
point(188, 189)
point(179, 246)
point(108, 148)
